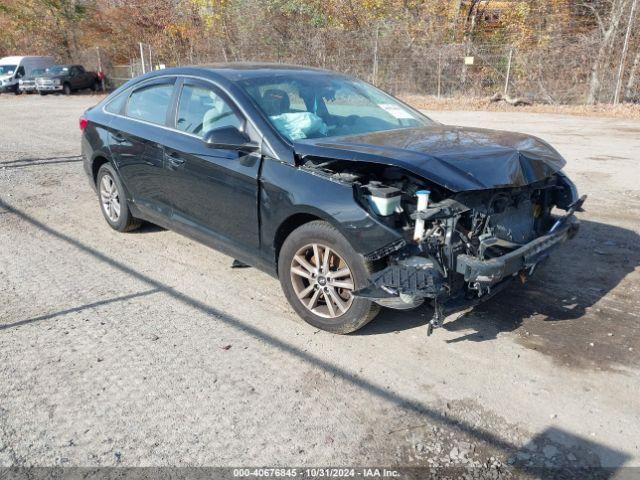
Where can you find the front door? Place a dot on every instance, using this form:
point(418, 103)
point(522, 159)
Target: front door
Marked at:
point(214, 191)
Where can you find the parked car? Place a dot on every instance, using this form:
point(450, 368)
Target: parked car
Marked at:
point(14, 69)
point(350, 197)
point(27, 84)
point(67, 79)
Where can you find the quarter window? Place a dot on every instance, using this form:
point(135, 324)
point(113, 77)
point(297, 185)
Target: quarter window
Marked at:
point(117, 104)
point(150, 103)
point(201, 109)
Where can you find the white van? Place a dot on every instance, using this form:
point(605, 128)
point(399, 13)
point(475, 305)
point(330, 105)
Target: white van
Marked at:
point(12, 69)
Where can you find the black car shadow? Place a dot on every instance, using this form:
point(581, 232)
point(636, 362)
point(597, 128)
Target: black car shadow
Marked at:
point(576, 277)
point(147, 227)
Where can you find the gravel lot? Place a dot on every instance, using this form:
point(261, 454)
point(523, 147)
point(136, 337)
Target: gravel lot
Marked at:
point(146, 349)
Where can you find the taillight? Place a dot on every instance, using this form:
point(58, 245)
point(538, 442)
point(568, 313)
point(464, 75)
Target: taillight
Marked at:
point(83, 123)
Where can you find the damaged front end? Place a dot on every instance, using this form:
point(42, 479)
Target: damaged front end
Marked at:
point(458, 248)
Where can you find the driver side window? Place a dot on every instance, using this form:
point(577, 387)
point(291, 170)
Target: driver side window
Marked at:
point(201, 109)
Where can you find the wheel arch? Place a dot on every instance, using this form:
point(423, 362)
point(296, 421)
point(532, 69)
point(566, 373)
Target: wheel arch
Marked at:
point(96, 163)
point(305, 214)
point(287, 226)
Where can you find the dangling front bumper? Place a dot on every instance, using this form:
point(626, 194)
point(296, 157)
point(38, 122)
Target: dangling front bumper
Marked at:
point(402, 287)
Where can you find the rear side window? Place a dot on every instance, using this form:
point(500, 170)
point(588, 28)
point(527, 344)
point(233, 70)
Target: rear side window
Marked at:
point(150, 103)
point(201, 109)
point(117, 104)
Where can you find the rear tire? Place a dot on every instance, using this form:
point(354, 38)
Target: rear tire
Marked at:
point(306, 291)
point(42, 93)
point(113, 200)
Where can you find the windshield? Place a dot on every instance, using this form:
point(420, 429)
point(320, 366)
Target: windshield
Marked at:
point(314, 105)
point(57, 70)
point(7, 69)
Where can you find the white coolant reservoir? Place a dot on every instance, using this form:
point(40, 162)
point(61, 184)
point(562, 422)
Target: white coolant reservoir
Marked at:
point(423, 204)
point(383, 200)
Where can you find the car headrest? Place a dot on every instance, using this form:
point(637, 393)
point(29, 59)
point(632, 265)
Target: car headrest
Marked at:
point(275, 102)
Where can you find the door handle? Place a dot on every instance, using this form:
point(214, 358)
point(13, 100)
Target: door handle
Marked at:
point(118, 138)
point(174, 161)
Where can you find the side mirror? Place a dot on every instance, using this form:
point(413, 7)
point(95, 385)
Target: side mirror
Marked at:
point(229, 138)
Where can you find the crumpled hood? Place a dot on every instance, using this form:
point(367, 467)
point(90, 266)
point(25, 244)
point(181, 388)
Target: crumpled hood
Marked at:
point(456, 158)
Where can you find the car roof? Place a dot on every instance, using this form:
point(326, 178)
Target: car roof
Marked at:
point(241, 70)
point(252, 69)
point(230, 74)
point(10, 60)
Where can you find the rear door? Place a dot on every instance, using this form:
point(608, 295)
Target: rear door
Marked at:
point(137, 131)
point(85, 79)
point(213, 191)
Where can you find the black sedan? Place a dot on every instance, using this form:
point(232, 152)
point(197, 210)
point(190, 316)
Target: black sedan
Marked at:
point(350, 197)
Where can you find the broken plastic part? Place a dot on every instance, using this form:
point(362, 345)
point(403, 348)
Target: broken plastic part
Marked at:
point(436, 319)
point(496, 269)
point(422, 280)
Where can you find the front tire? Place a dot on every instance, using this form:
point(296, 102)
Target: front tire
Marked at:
point(318, 270)
point(66, 89)
point(113, 200)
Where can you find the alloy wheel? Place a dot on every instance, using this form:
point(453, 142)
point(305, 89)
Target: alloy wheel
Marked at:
point(109, 198)
point(322, 280)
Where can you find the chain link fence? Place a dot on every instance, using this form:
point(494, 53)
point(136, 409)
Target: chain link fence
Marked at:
point(557, 72)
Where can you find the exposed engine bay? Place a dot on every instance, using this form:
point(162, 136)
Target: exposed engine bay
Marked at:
point(457, 248)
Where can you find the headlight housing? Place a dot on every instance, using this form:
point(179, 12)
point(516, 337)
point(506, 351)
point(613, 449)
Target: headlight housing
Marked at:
point(56, 81)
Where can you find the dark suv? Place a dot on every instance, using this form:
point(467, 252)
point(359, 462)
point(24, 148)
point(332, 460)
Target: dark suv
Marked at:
point(350, 197)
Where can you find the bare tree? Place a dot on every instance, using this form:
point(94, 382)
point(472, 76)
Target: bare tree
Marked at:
point(608, 30)
point(633, 74)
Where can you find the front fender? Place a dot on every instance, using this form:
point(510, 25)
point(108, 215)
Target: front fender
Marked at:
point(287, 190)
